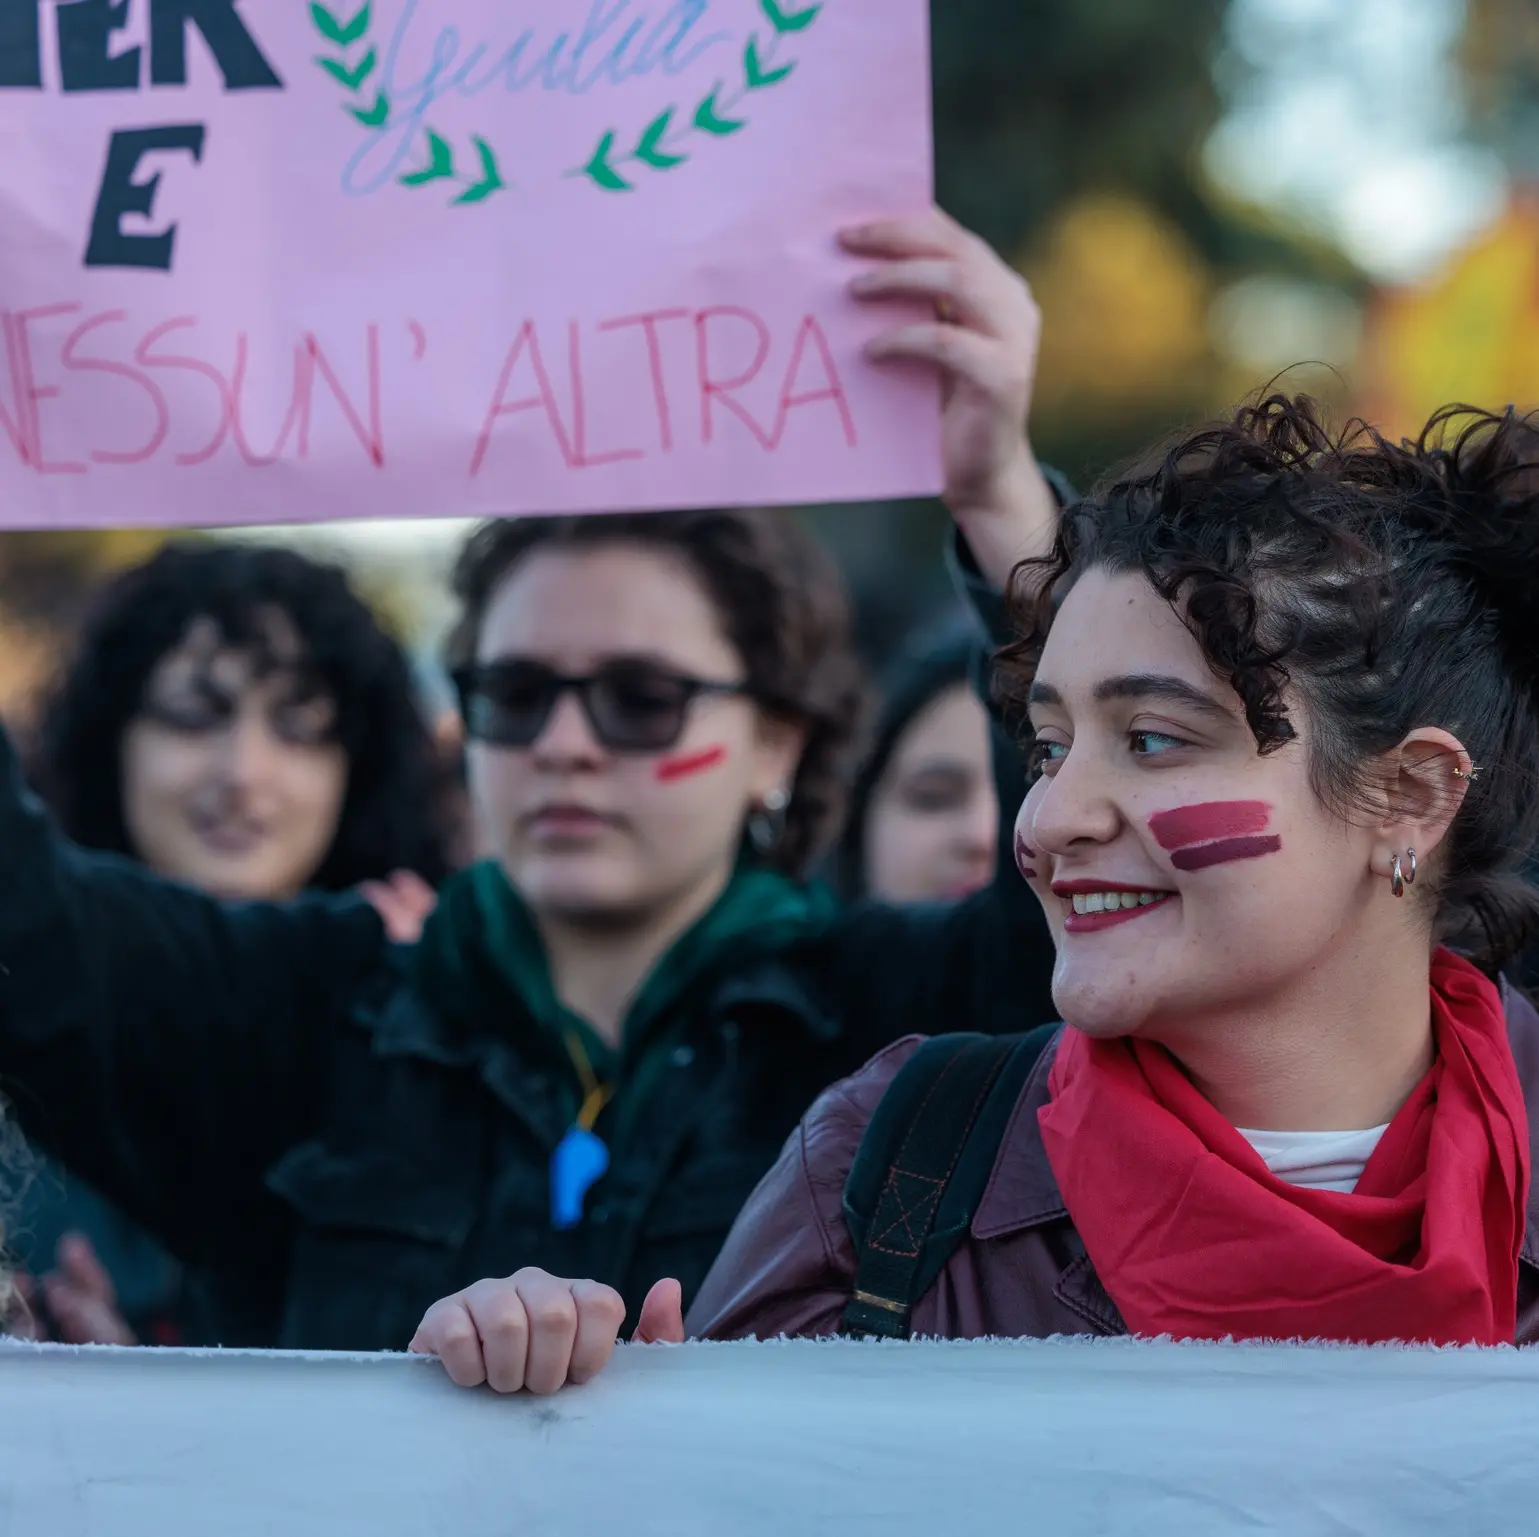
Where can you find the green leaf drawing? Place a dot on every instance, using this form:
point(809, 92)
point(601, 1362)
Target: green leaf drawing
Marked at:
point(713, 116)
point(600, 171)
point(789, 21)
point(649, 148)
point(758, 75)
point(377, 115)
point(439, 167)
point(335, 31)
point(709, 120)
point(491, 178)
point(351, 78)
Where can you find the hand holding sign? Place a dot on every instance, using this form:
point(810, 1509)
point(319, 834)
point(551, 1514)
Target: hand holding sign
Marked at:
point(983, 339)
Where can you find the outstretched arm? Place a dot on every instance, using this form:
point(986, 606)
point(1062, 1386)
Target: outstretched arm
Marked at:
point(165, 1046)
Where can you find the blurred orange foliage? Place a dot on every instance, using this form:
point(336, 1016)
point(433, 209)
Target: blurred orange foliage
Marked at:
point(1470, 333)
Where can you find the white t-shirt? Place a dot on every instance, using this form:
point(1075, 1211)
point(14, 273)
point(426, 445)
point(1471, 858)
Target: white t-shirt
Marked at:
point(1317, 1160)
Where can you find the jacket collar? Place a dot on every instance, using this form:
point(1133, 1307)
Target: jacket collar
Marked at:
point(400, 1023)
point(403, 1023)
point(1023, 1191)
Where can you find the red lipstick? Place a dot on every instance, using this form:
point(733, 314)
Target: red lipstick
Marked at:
point(1090, 923)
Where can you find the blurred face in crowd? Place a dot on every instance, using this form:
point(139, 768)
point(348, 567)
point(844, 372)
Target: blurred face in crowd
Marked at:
point(1188, 878)
point(616, 825)
point(232, 781)
point(933, 823)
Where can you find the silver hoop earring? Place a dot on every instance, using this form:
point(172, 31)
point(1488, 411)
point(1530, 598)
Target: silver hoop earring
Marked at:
point(1410, 874)
point(1396, 880)
point(767, 823)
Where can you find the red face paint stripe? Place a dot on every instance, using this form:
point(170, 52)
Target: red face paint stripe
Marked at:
point(1205, 855)
point(1023, 856)
point(696, 763)
point(1201, 824)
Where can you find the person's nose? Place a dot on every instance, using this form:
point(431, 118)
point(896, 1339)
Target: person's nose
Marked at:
point(568, 740)
point(248, 751)
point(976, 830)
point(1070, 810)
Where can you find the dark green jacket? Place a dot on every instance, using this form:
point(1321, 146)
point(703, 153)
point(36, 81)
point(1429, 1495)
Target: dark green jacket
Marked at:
point(266, 1089)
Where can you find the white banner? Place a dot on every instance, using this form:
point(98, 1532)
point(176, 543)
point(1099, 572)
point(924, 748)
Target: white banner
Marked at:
point(1056, 1438)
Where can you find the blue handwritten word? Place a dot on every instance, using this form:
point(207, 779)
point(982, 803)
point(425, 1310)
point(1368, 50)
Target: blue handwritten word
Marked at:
point(617, 43)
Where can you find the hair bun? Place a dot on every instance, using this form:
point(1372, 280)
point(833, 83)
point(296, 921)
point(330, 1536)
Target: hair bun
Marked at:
point(1488, 466)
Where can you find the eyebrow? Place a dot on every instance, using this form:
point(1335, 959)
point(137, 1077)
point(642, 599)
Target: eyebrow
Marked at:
point(1139, 685)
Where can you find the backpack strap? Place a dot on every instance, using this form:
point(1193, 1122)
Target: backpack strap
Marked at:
point(923, 1165)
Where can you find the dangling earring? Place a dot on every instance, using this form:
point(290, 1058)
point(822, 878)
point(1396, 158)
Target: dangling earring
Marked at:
point(1399, 879)
point(767, 823)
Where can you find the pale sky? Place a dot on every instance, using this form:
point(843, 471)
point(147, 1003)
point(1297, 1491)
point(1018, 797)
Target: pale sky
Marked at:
point(1346, 114)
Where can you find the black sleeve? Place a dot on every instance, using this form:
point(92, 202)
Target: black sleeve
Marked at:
point(985, 964)
point(165, 1046)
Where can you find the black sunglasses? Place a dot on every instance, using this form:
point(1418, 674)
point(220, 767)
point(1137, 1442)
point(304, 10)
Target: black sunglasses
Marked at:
point(632, 706)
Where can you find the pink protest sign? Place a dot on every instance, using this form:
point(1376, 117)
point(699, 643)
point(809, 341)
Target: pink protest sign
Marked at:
point(264, 261)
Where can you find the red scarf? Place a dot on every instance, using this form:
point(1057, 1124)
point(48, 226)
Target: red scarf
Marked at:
point(1194, 1237)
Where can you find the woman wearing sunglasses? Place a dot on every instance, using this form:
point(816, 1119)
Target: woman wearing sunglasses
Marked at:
point(609, 1027)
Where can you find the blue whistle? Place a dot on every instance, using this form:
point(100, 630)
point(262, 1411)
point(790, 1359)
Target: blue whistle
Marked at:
point(580, 1161)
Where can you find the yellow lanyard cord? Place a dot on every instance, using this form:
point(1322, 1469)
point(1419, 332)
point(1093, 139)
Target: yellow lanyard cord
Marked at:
point(595, 1094)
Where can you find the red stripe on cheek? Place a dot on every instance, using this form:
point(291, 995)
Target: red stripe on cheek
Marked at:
point(1023, 858)
point(1176, 828)
point(671, 769)
point(1205, 855)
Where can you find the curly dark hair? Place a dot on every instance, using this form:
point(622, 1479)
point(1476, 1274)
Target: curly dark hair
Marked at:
point(393, 813)
point(782, 604)
point(1387, 586)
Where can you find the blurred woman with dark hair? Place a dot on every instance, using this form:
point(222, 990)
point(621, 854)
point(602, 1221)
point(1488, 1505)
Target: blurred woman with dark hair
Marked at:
point(924, 818)
point(236, 719)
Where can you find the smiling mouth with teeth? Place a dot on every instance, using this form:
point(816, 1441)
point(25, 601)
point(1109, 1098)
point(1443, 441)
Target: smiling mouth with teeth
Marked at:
point(1092, 910)
point(1110, 901)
